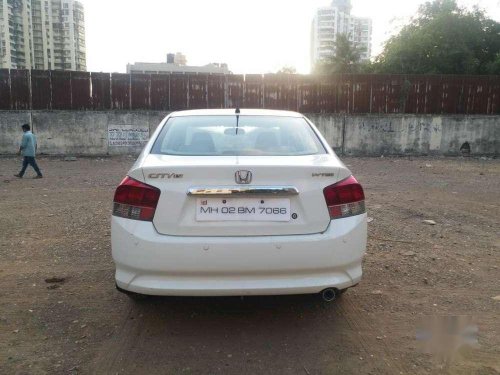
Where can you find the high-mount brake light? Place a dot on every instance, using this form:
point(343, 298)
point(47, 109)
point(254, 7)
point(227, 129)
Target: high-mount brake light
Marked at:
point(135, 200)
point(345, 198)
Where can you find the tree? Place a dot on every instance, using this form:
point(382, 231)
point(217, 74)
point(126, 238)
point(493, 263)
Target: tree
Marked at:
point(443, 39)
point(347, 58)
point(287, 70)
point(494, 66)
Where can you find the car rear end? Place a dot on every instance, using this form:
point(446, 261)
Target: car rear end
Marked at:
point(254, 203)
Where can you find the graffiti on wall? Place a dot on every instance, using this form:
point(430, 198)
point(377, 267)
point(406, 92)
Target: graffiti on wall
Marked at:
point(127, 135)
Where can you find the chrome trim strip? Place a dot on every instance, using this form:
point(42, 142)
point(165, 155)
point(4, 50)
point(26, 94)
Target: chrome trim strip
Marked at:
point(243, 190)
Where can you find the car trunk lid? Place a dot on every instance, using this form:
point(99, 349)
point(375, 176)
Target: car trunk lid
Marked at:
point(201, 196)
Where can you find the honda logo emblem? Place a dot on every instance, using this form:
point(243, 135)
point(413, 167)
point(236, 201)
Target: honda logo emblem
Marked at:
point(243, 177)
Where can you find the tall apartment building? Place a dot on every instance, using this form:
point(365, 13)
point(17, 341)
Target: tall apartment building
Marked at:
point(42, 34)
point(336, 19)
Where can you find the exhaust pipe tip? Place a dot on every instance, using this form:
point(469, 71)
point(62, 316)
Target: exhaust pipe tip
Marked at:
point(329, 294)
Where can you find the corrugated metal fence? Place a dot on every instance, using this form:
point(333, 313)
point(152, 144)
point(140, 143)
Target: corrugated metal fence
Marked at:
point(358, 93)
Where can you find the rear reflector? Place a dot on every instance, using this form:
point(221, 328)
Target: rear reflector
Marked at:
point(345, 198)
point(135, 200)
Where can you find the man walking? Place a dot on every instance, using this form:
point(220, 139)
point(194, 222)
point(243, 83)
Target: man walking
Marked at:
point(28, 150)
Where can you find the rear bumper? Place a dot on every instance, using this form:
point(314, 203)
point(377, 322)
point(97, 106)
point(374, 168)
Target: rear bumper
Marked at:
point(151, 263)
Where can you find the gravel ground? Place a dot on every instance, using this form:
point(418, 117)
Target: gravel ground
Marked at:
point(419, 278)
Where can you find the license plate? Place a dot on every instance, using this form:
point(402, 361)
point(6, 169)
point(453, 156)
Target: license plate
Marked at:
point(242, 209)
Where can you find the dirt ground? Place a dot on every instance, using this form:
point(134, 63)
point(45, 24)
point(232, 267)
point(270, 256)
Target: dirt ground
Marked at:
point(415, 274)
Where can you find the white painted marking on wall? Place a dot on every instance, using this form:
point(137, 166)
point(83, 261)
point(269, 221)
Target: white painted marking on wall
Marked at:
point(127, 135)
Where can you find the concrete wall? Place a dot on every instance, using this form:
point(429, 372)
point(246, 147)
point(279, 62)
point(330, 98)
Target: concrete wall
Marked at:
point(10, 130)
point(424, 135)
point(331, 126)
point(73, 132)
point(86, 132)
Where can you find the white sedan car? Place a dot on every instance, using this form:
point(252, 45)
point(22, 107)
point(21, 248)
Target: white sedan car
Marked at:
point(237, 203)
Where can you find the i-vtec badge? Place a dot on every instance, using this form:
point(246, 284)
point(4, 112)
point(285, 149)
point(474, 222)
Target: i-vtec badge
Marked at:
point(165, 175)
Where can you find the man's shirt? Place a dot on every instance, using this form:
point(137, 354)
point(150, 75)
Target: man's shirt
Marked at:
point(28, 144)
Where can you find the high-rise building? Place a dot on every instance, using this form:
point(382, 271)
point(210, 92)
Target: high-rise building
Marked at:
point(42, 34)
point(336, 19)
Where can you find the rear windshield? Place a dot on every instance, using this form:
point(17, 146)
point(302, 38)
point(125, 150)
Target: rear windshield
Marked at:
point(225, 135)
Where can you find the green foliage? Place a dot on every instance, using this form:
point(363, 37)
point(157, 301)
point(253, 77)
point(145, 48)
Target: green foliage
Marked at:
point(347, 58)
point(443, 39)
point(494, 66)
point(287, 70)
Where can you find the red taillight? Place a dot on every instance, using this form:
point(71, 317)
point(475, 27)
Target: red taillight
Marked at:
point(345, 198)
point(135, 200)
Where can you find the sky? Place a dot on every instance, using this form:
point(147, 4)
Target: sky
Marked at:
point(251, 36)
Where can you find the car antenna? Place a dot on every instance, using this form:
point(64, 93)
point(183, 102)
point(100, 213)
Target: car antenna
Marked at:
point(237, 119)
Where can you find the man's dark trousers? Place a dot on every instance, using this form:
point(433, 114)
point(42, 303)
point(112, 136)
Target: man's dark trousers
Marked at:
point(29, 160)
